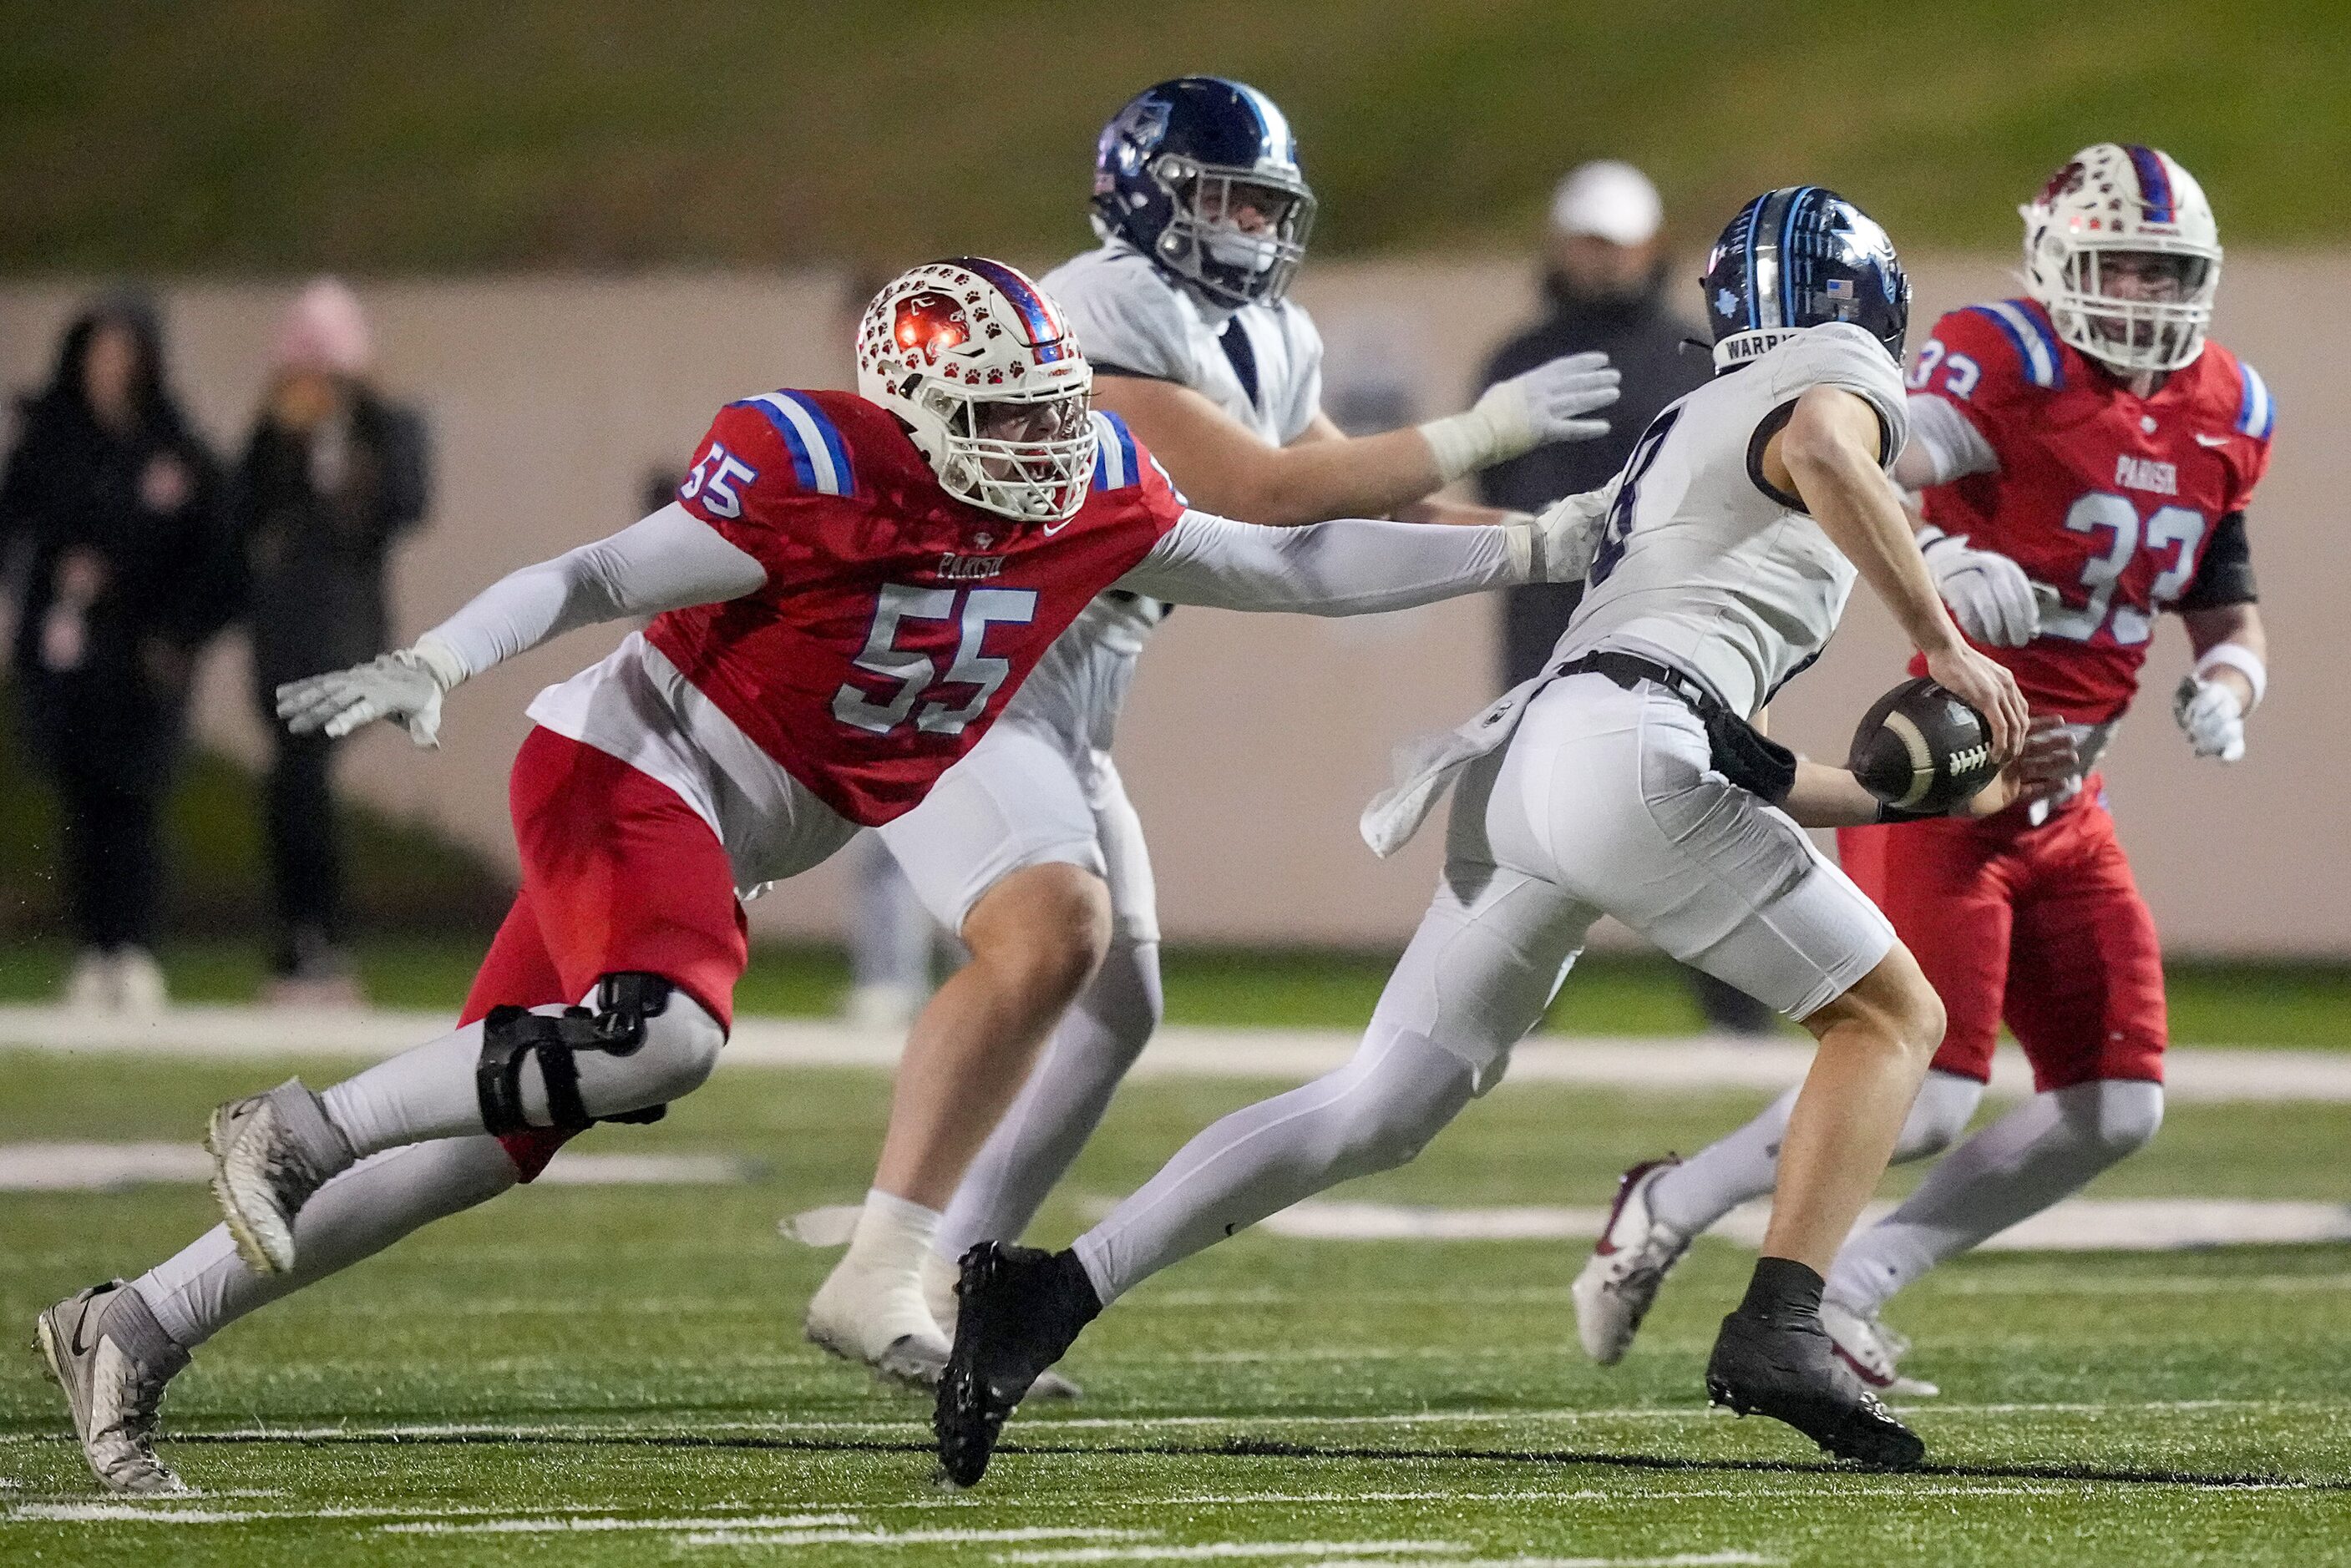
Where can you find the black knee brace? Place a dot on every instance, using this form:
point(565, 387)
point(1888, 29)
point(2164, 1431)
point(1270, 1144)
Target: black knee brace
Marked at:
point(616, 1026)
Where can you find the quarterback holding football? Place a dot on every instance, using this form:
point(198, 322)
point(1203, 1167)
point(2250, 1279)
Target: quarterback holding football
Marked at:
point(2087, 456)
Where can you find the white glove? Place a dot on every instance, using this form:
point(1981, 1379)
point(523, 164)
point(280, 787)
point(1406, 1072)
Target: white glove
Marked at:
point(1543, 405)
point(1567, 536)
point(405, 687)
point(1991, 598)
point(2213, 715)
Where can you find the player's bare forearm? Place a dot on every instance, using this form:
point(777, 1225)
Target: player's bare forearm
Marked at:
point(2240, 624)
point(1223, 467)
point(1827, 453)
point(1825, 796)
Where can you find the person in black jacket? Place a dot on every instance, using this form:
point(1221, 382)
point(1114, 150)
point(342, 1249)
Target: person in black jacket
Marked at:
point(114, 504)
point(333, 475)
point(1604, 287)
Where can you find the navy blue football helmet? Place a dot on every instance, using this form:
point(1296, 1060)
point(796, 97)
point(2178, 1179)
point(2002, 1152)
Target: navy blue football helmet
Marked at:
point(1796, 258)
point(1201, 175)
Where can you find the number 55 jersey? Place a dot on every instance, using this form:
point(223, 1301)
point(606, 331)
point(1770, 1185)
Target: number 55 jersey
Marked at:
point(896, 620)
point(2108, 498)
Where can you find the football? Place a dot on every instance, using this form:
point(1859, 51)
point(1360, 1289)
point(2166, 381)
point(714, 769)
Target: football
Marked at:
point(1921, 749)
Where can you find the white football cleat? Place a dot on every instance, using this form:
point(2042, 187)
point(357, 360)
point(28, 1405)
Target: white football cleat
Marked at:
point(1873, 1350)
point(270, 1152)
point(879, 1319)
point(106, 1350)
point(1628, 1264)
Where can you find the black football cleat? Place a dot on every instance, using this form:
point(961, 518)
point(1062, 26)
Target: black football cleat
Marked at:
point(1789, 1370)
point(1019, 1309)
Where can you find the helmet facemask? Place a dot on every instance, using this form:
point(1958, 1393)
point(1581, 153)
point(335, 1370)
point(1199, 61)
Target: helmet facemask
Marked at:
point(1238, 233)
point(2142, 304)
point(1025, 456)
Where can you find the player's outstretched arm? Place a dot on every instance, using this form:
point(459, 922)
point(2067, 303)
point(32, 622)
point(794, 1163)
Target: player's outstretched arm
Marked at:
point(668, 561)
point(1348, 567)
point(1228, 469)
point(1827, 453)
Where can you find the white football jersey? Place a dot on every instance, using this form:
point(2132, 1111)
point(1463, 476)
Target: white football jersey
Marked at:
point(1702, 564)
point(1262, 364)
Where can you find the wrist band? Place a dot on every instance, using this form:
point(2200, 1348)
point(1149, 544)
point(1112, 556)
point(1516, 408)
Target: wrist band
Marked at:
point(439, 661)
point(1461, 443)
point(2236, 656)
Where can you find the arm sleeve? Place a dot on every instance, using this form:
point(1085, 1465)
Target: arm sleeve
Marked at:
point(1954, 448)
point(2225, 575)
point(669, 561)
point(1343, 567)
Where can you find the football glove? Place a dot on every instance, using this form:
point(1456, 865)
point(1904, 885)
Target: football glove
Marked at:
point(1567, 536)
point(2212, 715)
point(1546, 404)
point(1990, 596)
point(405, 687)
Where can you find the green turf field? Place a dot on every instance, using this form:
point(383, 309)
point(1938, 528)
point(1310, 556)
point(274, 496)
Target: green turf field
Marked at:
point(592, 1375)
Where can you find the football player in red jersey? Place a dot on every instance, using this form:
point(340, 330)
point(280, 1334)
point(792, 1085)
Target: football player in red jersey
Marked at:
point(846, 593)
point(2087, 457)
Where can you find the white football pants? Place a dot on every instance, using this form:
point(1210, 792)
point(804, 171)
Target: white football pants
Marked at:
point(1603, 803)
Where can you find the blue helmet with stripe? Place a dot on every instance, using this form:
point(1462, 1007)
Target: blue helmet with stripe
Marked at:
point(1201, 175)
point(1796, 258)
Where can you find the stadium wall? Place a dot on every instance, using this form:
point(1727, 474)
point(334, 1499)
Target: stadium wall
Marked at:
point(1250, 741)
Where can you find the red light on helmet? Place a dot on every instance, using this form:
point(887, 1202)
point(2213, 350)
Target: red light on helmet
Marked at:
point(930, 322)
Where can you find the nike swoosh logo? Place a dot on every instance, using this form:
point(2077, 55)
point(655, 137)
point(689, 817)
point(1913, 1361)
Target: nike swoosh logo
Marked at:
point(79, 1349)
point(2203, 440)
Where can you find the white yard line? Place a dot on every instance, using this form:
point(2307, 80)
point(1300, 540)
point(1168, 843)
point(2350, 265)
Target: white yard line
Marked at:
point(1699, 1064)
point(2075, 1225)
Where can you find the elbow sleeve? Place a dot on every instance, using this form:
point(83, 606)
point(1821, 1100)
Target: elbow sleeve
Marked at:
point(2225, 577)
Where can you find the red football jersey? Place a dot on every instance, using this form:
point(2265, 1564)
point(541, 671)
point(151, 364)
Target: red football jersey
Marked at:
point(896, 622)
point(2105, 496)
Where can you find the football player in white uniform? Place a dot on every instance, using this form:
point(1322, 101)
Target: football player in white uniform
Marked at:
point(1029, 848)
point(1626, 779)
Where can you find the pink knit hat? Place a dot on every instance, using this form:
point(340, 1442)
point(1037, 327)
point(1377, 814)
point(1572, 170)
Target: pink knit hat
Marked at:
point(325, 331)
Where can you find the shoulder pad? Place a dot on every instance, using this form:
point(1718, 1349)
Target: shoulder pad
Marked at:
point(2256, 414)
point(1128, 318)
point(2040, 358)
point(1839, 354)
point(1117, 460)
point(810, 437)
point(1122, 462)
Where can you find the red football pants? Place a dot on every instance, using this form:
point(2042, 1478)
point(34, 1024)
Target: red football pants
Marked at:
point(2042, 926)
point(619, 874)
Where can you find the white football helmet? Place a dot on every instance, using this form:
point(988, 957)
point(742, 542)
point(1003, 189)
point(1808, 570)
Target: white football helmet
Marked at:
point(2109, 203)
point(957, 349)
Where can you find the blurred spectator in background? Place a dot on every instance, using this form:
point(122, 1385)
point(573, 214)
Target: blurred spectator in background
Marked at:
point(333, 474)
point(117, 505)
point(1604, 288)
